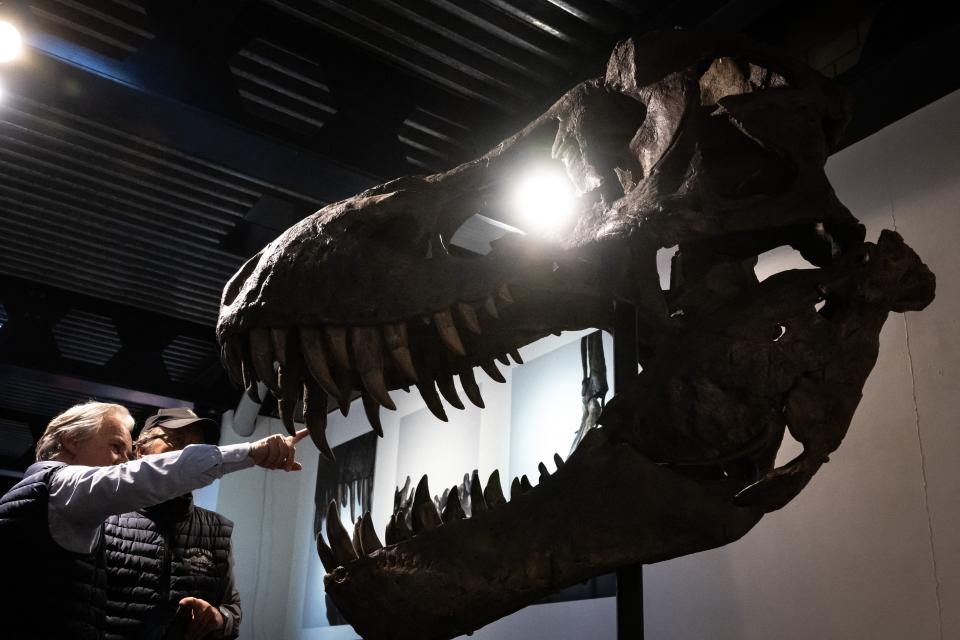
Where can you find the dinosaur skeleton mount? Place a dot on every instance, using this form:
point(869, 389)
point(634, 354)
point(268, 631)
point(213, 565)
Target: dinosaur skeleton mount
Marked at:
point(709, 143)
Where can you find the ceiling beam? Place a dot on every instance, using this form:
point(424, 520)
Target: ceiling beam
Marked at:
point(90, 388)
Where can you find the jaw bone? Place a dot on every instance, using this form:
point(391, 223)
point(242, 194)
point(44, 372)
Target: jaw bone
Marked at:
point(458, 577)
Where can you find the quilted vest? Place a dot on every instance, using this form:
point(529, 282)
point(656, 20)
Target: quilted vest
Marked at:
point(51, 592)
point(157, 556)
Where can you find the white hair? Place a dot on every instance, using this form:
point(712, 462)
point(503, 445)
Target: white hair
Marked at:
point(79, 422)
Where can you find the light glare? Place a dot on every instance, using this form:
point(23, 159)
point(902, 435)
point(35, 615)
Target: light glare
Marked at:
point(544, 198)
point(10, 43)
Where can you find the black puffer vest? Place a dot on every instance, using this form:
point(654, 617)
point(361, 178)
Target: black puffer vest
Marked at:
point(159, 555)
point(51, 592)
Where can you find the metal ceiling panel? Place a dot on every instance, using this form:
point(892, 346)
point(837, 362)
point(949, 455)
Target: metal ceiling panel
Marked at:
point(46, 401)
point(91, 209)
point(282, 85)
point(186, 356)
point(87, 337)
point(112, 27)
point(504, 53)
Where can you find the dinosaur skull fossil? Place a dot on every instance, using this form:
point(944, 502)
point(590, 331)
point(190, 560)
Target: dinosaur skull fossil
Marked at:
point(710, 143)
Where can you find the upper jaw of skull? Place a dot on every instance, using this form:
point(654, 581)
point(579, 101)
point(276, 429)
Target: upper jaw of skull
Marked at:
point(385, 255)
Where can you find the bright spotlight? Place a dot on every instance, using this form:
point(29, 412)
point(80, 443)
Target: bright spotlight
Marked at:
point(544, 198)
point(10, 43)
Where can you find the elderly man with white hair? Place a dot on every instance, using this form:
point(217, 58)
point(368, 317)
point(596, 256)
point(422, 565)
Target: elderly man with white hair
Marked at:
point(51, 522)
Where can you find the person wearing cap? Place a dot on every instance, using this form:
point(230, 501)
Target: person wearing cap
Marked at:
point(170, 565)
point(51, 522)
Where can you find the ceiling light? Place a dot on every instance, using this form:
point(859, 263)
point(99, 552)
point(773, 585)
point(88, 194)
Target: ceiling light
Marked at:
point(543, 198)
point(10, 43)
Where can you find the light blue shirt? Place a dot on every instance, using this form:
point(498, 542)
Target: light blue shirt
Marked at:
point(81, 498)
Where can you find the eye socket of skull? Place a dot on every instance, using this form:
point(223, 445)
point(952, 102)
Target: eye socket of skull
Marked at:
point(593, 142)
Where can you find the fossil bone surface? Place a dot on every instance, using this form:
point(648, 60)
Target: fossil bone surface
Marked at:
point(705, 142)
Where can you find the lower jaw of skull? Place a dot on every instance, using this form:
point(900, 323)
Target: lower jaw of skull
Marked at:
point(606, 508)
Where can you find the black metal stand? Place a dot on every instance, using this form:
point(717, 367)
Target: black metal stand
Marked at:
point(629, 579)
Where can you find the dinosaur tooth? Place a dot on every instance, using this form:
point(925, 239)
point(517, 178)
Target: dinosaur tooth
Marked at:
point(337, 341)
point(493, 493)
point(261, 353)
point(399, 495)
point(465, 494)
point(525, 485)
point(355, 539)
point(447, 390)
point(425, 516)
point(469, 316)
point(344, 390)
point(250, 381)
point(558, 461)
point(368, 535)
point(314, 353)
point(544, 472)
point(503, 293)
point(490, 368)
point(326, 554)
point(405, 497)
point(503, 359)
point(278, 336)
point(515, 489)
point(339, 538)
point(477, 502)
point(390, 533)
point(516, 356)
point(401, 529)
point(232, 357)
point(395, 336)
point(429, 393)
point(368, 357)
point(442, 499)
point(490, 306)
point(372, 409)
point(290, 384)
point(469, 384)
point(447, 332)
point(315, 415)
point(453, 510)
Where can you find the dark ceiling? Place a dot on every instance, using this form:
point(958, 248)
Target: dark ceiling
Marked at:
point(148, 147)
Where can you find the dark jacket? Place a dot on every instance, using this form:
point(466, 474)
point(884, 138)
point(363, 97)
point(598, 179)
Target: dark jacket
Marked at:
point(159, 555)
point(51, 592)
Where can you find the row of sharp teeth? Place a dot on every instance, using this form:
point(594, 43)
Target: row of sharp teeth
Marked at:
point(413, 517)
point(311, 362)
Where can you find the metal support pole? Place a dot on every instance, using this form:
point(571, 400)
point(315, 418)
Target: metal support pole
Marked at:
point(630, 578)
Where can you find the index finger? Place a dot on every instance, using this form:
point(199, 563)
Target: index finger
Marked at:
point(300, 435)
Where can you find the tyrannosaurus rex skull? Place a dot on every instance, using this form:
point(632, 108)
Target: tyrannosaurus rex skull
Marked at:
point(709, 143)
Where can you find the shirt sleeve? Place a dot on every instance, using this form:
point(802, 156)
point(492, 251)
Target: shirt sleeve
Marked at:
point(82, 497)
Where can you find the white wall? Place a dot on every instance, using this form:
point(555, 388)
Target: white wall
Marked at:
point(869, 550)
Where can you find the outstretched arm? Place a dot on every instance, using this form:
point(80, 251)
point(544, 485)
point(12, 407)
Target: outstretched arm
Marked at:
point(82, 497)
